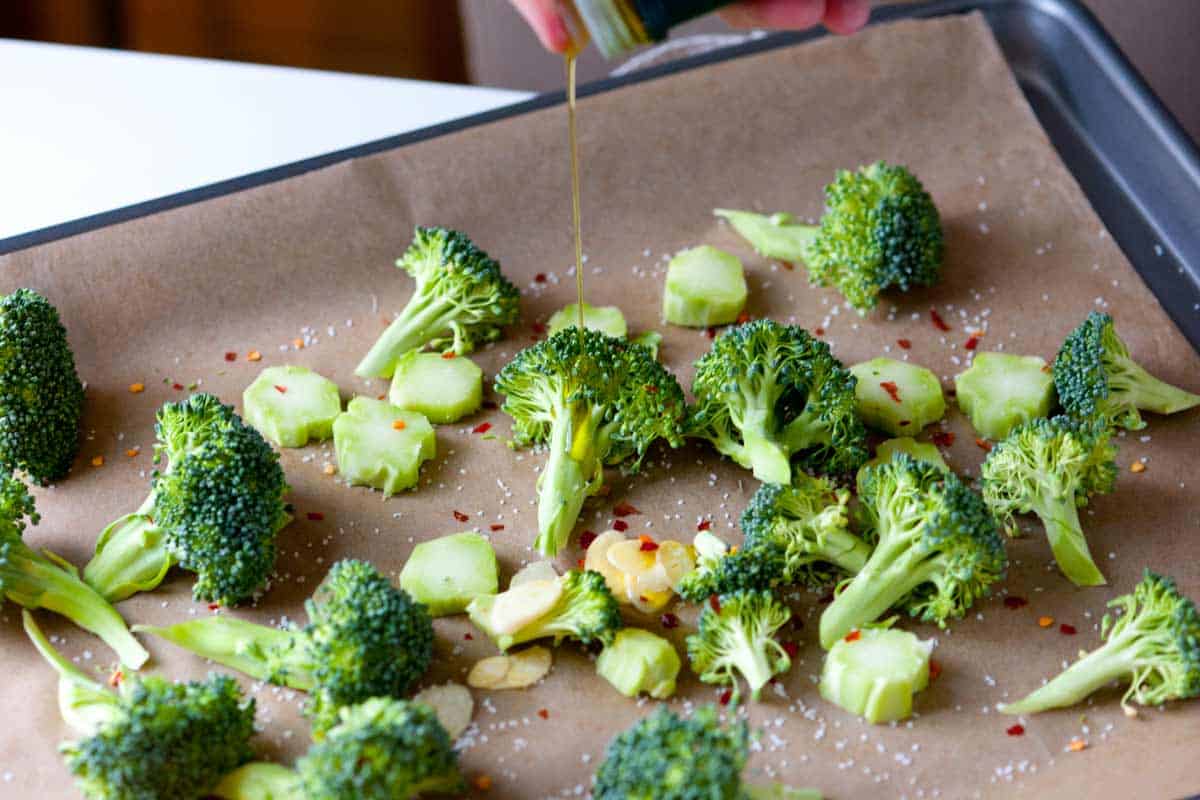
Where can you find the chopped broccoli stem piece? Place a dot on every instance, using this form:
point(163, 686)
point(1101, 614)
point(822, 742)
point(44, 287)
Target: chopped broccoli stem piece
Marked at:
point(777, 236)
point(443, 389)
point(705, 287)
point(1095, 376)
point(381, 446)
point(649, 340)
point(41, 396)
point(577, 605)
point(768, 393)
point(897, 397)
point(291, 405)
point(259, 651)
point(999, 391)
point(920, 451)
point(1154, 644)
point(1051, 467)
point(259, 780)
point(461, 299)
point(735, 637)
point(938, 549)
point(876, 673)
point(637, 661)
point(447, 573)
point(84, 704)
point(606, 319)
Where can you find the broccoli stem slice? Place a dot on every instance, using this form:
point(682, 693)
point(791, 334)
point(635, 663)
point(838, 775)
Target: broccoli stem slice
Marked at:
point(1097, 669)
point(85, 705)
point(879, 585)
point(131, 556)
point(777, 791)
point(571, 474)
point(761, 451)
point(1060, 517)
point(420, 321)
point(260, 780)
point(1148, 392)
point(259, 651)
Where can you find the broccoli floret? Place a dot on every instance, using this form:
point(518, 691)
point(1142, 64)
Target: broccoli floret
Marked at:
point(735, 636)
point(364, 638)
point(577, 605)
point(938, 549)
point(214, 510)
point(880, 231)
point(461, 300)
point(42, 580)
point(154, 739)
point(1051, 467)
point(594, 401)
point(766, 393)
point(724, 570)
point(1095, 376)
point(808, 521)
point(41, 396)
point(1154, 645)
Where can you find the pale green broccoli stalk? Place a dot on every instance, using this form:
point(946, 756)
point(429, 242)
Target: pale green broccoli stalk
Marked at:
point(214, 510)
point(42, 580)
point(735, 637)
point(461, 300)
point(1051, 467)
point(1154, 644)
point(938, 550)
point(1095, 376)
point(767, 393)
point(880, 231)
point(594, 401)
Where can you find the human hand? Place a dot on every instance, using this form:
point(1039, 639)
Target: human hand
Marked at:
point(839, 16)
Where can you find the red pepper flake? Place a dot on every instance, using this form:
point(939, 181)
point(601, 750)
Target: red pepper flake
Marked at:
point(461, 517)
point(543, 713)
point(624, 510)
point(704, 525)
point(938, 322)
point(1067, 630)
point(586, 538)
point(281, 389)
point(743, 318)
point(468, 636)
point(315, 516)
point(231, 356)
point(711, 333)
point(539, 328)
point(904, 344)
point(935, 669)
point(1046, 368)
point(483, 782)
point(725, 697)
point(714, 603)
point(495, 526)
point(383, 397)
point(984, 445)
point(398, 424)
point(904, 422)
point(669, 620)
point(114, 680)
point(213, 606)
point(620, 526)
point(943, 438)
point(648, 544)
point(972, 342)
point(482, 427)
point(579, 563)
point(819, 331)
point(789, 266)
point(854, 635)
point(1015, 730)
point(792, 649)
point(449, 354)
point(539, 278)
point(177, 387)
point(1013, 601)
point(892, 389)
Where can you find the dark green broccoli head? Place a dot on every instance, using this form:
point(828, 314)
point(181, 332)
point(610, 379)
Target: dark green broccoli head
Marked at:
point(1096, 378)
point(762, 566)
point(880, 231)
point(767, 392)
point(666, 757)
point(735, 636)
point(41, 396)
point(16, 504)
point(165, 740)
point(383, 749)
point(365, 638)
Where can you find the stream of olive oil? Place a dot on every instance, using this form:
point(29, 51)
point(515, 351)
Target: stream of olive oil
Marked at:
point(574, 147)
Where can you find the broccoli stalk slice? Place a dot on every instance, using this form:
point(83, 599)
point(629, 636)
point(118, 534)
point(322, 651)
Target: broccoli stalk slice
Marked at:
point(421, 320)
point(1136, 387)
point(85, 705)
point(33, 580)
point(259, 651)
point(573, 473)
point(260, 780)
point(130, 556)
point(777, 791)
point(1060, 516)
point(1117, 659)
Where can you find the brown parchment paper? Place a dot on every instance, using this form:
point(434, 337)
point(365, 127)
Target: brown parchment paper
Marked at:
point(160, 300)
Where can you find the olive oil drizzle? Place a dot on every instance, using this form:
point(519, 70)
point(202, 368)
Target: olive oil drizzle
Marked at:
point(573, 141)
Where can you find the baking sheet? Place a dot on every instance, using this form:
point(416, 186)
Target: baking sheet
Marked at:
point(160, 300)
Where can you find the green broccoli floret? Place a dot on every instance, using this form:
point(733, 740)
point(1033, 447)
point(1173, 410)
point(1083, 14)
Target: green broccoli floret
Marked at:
point(154, 739)
point(41, 397)
point(723, 570)
point(880, 231)
point(43, 580)
point(766, 393)
point(735, 636)
point(808, 521)
point(1154, 645)
point(594, 401)
point(1051, 467)
point(214, 510)
point(461, 300)
point(364, 638)
point(1095, 376)
point(938, 549)
point(578, 606)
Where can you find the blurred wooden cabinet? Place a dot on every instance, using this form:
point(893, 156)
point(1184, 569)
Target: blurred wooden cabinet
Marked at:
point(409, 38)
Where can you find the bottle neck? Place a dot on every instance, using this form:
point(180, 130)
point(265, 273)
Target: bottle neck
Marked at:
point(618, 26)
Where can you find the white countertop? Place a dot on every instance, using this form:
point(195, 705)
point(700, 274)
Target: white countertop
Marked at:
point(87, 130)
